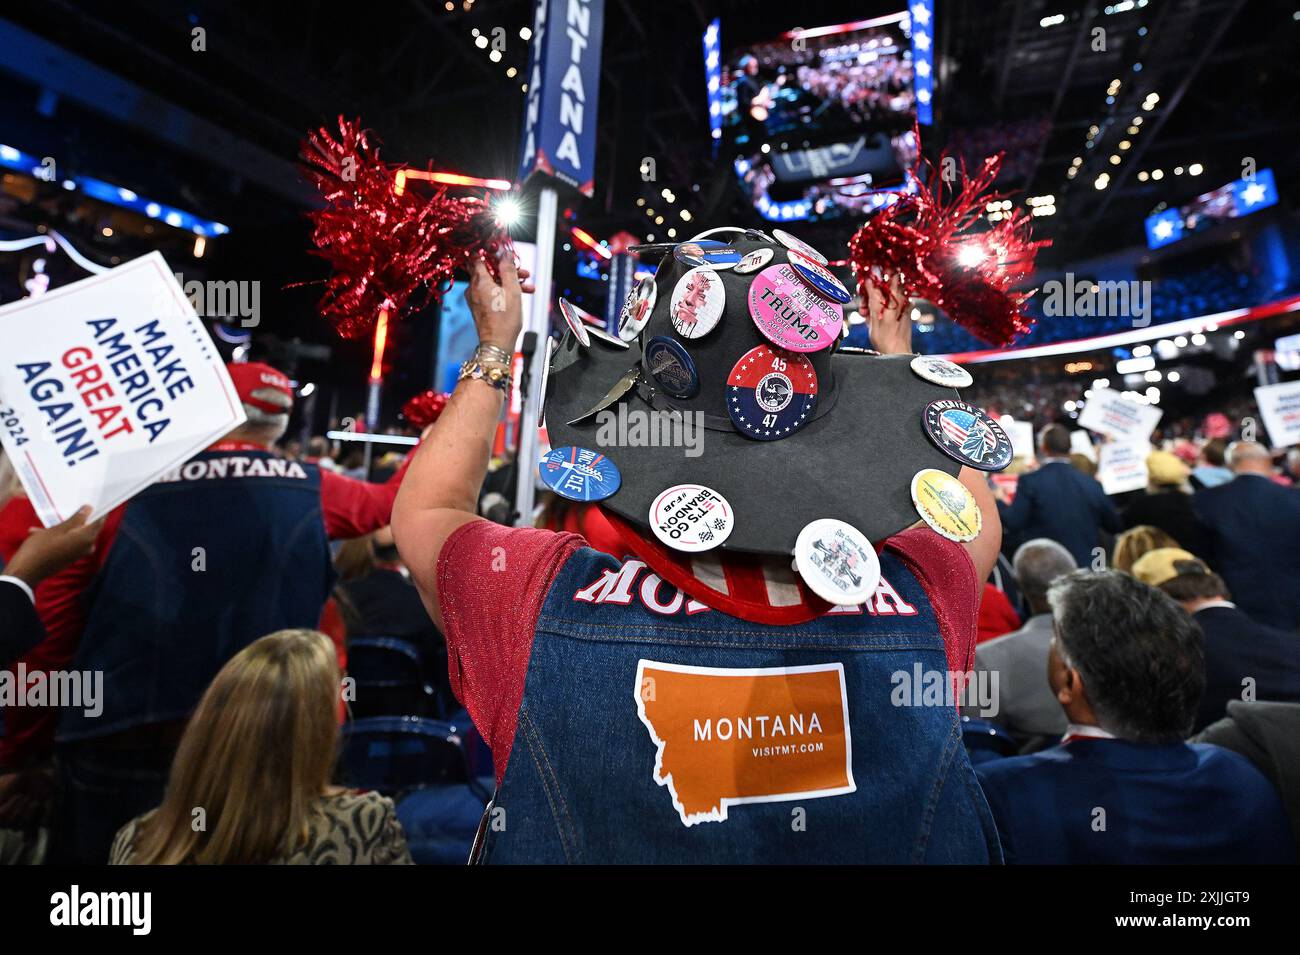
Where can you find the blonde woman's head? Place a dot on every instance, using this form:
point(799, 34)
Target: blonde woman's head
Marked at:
point(1135, 542)
point(256, 755)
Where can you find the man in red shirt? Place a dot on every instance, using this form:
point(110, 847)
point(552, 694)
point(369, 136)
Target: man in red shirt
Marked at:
point(701, 704)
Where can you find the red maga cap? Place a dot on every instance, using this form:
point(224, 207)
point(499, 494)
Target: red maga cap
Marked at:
point(253, 376)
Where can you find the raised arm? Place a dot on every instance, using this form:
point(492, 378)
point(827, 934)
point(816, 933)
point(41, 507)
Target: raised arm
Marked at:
point(890, 324)
point(440, 490)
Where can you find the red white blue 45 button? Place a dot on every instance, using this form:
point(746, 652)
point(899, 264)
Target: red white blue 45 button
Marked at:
point(579, 474)
point(771, 393)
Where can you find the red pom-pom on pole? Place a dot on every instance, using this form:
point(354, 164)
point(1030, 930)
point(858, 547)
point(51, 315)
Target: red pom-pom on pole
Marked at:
point(926, 239)
point(424, 409)
point(390, 249)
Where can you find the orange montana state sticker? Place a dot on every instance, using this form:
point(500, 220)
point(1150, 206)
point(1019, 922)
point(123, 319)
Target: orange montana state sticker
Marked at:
point(725, 737)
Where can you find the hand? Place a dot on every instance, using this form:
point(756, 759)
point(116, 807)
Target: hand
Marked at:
point(48, 550)
point(889, 324)
point(497, 308)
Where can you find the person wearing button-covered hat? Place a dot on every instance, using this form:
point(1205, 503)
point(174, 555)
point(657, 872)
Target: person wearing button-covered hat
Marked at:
point(228, 547)
point(709, 704)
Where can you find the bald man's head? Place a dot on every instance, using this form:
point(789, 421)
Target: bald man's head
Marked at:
point(1249, 457)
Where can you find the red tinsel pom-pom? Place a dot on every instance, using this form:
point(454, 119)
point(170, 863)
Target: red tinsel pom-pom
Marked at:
point(388, 250)
point(423, 410)
point(926, 238)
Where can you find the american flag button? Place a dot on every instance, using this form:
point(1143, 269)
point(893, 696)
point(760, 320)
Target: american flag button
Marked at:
point(967, 435)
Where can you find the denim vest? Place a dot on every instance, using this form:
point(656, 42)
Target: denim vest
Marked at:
point(623, 753)
point(163, 617)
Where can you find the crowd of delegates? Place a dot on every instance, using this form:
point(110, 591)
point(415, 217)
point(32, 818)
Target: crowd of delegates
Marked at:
point(1147, 705)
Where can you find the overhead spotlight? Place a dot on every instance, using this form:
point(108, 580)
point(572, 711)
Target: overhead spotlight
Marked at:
point(686, 215)
point(1198, 339)
point(672, 233)
point(525, 33)
point(1143, 176)
point(1195, 169)
point(1102, 181)
point(1157, 174)
point(495, 56)
point(511, 72)
point(767, 147)
point(1174, 376)
point(481, 42)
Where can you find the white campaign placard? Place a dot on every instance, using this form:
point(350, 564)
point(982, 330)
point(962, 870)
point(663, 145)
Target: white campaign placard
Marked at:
point(105, 384)
point(1279, 406)
point(1021, 434)
point(1110, 413)
point(1122, 465)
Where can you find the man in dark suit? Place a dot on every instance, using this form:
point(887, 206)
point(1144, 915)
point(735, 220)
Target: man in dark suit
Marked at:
point(1254, 528)
point(1123, 787)
point(1060, 502)
point(1244, 660)
point(43, 553)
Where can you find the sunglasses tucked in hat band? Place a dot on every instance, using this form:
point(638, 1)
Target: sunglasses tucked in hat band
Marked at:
point(851, 456)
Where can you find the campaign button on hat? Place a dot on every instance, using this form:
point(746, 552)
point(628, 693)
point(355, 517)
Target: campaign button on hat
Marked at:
point(790, 314)
point(691, 517)
point(966, 434)
point(837, 562)
point(707, 253)
point(672, 367)
point(822, 279)
point(946, 505)
point(637, 308)
point(940, 371)
point(576, 325)
point(607, 338)
point(753, 261)
point(799, 245)
point(579, 474)
point(771, 394)
point(697, 302)
point(758, 235)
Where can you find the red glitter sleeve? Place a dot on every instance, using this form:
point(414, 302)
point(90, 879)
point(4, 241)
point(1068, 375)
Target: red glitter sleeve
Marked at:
point(492, 581)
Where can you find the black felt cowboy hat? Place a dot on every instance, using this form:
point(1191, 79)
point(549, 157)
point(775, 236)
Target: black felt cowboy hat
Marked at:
point(854, 461)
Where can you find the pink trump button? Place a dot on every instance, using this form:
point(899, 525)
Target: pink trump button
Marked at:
point(790, 314)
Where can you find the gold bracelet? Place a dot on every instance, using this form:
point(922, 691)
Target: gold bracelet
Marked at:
point(492, 353)
point(495, 374)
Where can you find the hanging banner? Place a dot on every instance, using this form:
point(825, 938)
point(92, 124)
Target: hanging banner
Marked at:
point(105, 384)
point(559, 137)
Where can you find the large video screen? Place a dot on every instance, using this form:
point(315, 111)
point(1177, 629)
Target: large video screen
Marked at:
point(820, 119)
point(828, 82)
